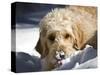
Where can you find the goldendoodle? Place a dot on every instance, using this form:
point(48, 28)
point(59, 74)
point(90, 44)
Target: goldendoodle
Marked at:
point(64, 31)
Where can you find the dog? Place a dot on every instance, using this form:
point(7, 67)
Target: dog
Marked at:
point(64, 31)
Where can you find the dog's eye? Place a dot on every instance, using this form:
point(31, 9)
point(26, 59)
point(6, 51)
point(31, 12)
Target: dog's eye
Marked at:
point(67, 36)
point(51, 37)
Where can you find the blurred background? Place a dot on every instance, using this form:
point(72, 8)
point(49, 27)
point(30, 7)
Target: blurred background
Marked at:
point(28, 15)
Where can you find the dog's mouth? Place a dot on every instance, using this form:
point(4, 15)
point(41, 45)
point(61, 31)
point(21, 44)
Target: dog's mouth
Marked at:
point(60, 55)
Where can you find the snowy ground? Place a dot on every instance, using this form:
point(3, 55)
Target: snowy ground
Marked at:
point(26, 40)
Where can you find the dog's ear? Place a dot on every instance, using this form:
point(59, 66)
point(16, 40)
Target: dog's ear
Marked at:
point(78, 37)
point(38, 47)
point(41, 48)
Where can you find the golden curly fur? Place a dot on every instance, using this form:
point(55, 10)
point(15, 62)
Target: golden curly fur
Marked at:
point(67, 29)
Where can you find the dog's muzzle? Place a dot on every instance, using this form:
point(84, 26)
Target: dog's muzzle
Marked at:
point(60, 55)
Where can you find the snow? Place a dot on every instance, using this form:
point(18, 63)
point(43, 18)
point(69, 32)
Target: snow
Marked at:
point(88, 64)
point(26, 40)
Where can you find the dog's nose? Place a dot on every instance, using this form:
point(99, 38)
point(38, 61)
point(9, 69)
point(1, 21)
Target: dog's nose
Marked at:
point(60, 55)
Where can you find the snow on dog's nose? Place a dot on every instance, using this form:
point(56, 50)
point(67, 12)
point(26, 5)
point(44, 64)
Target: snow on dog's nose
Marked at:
point(60, 55)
